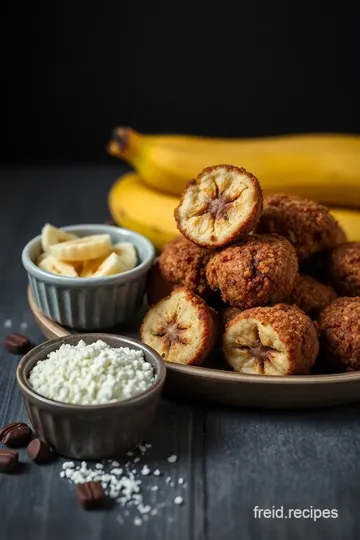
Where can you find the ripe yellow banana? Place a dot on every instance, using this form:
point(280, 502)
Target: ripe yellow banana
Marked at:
point(324, 167)
point(135, 206)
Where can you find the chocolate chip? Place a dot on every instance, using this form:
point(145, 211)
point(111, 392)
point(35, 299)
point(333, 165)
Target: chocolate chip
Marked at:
point(91, 495)
point(17, 343)
point(15, 435)
point(8, 461)
point(40, 451)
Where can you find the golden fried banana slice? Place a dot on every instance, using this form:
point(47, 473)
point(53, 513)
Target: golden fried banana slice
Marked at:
point(181, 328)
point(220, 206)
point(278, 340)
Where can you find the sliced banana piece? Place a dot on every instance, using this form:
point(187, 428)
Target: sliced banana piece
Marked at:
point(223, 204)
point(54, 266)
point(111, 265)
point(127, 253)
point(52, 235)
point(89, 267)
point(181, 328)
point(83, 249)
point(41, 257)
point(277, 340)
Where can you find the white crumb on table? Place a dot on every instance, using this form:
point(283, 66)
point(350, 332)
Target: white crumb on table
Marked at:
point(68, 465)
point(172, 459)
point(122, 484)
point(8, 323)
point(23, 325)
point(145, 471)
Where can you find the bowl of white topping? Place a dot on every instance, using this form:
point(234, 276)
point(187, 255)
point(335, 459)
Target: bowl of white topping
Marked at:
point(88, 277)
point(91, 396)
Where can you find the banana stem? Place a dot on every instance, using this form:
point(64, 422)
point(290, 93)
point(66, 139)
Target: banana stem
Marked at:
point(123, 143)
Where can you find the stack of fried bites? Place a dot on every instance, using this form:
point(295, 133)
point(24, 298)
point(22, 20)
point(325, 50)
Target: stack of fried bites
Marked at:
point(255, 258)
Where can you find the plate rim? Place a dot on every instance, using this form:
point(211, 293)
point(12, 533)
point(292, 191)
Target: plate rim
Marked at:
point(214, 373)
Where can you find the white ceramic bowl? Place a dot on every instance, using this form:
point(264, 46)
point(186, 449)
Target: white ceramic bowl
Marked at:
point(90, 303)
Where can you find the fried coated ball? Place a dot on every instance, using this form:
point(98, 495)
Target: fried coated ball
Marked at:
point(182, 328)
point(277, 340)
point(310, 295)
point(339, 325)
point(183, 263)
point(259, 271)
point(308, 225)
point(344, 268)
point(222, 205)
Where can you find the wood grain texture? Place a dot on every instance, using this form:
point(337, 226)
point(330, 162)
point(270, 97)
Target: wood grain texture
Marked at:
point(231, 460)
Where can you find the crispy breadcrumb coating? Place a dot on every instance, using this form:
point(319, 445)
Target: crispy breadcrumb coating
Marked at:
point(310, 295)
point(344, 268)
point(183, 263)
point(259, 271)
point(339, 325)
point(308, 225)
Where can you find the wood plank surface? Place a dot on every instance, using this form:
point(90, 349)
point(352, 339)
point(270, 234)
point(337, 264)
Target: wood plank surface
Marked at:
point(231, 461)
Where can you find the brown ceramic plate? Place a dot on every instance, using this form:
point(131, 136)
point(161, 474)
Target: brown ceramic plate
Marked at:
point(214, 385)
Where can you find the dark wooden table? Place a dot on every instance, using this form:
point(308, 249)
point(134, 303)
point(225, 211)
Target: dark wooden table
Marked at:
point(231, 460)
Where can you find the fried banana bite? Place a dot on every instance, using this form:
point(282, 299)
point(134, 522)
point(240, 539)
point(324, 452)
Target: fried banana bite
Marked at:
point(310, 295)
point(344, 268)
point(309, 226)
point(259, 271)
point(182, 328)
point(339, 325)
point(183, 263)
point(277, 340)
point(222, 205)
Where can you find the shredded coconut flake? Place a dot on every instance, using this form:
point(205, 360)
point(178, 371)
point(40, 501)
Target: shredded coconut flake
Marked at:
point(145, 470)
point(91, 374)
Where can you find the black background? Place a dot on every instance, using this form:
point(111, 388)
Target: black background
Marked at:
point(72, 71)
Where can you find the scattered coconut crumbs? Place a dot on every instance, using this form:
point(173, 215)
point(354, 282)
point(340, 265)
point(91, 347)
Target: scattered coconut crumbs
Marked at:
point(122, 484)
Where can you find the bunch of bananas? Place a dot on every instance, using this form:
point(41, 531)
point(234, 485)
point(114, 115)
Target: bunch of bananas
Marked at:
point(325, 168)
